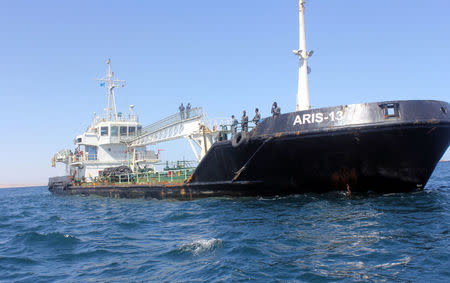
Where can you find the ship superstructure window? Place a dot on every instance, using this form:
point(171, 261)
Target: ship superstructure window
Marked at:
point(391, 110)
point(131, 131)
point(139, 130)
point(104, 131)
point(114, 131)
point(79, 139)
point(91, 152)
point(123, 131)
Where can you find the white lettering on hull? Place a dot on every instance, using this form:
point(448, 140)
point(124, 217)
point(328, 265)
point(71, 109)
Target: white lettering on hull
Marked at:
point(311, 118)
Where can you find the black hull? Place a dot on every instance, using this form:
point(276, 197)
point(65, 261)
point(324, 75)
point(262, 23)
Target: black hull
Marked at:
point(362, 147)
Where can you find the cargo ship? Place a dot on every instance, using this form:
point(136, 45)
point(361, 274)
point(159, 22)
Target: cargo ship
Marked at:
point(389, 146)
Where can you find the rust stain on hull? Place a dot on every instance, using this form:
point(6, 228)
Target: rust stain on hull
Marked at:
point(344, 177)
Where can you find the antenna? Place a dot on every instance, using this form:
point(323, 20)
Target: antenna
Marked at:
point(303, 92)
point(110, 84)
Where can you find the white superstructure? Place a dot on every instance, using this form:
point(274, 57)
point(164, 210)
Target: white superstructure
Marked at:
point(104, 144)
point(116, 139)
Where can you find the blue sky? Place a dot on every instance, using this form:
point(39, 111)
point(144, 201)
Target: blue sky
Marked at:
point(223, 55)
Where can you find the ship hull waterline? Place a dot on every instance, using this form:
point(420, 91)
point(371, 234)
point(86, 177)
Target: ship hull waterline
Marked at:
point(362, 151)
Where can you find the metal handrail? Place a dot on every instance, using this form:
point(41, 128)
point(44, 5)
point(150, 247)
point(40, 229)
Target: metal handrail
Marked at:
point(130, 118)
point(229, 127)
point(140, 156)
point(147, 155)
point(172, 119)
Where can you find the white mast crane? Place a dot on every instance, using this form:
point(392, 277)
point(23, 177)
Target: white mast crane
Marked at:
point(111, 84)
point(303, 92)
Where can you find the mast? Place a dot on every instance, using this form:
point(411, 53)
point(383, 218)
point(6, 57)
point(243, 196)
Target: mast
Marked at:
point(111, 84)
point(303, 92)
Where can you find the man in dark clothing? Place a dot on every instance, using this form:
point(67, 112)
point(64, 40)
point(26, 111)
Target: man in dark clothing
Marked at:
point(257, 117)
point(244, 122)
point(234, 123)
point(181, 108)
point(275, 110)
point(188, 110)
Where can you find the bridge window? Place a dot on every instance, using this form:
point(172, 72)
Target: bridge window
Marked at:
point(114, 131)
point(123, 131)
point(104, 131)
point(139, 130)
point(131, 131)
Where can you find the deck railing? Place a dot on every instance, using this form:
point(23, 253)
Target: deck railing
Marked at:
point(227, 131)
point(119, 118)
point(170, 177)
point(92, 158)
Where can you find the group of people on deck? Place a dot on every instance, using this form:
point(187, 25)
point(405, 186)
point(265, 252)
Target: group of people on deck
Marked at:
point(244, 119)
point(185, 112)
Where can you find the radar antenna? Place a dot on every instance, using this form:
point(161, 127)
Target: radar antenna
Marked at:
point(111, 84)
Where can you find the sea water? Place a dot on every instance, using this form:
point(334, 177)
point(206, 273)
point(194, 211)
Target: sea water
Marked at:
point(301, 238)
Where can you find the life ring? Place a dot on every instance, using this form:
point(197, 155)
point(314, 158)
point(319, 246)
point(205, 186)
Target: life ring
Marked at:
point(240, 139)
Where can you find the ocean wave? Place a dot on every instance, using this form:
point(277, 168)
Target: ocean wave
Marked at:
point(402, 261)
point(86, 255)
point(128, 225)
point(178, 216)
point(198, 247)
point(49, 239)
point(16, 260)
point(246, 251)
point(54, 218)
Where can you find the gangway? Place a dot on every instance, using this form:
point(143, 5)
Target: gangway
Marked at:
point(190, 125)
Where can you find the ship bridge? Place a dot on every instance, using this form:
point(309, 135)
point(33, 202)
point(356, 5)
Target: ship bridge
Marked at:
point(191, 125)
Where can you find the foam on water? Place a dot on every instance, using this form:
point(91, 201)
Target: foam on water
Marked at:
point(200, 246)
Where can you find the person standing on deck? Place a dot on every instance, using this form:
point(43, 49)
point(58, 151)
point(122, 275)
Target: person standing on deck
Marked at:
point(234, 123)
point(257, 117)
point(181, 108)
point(244, 122)
point(188, 110)
point(275, 110)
